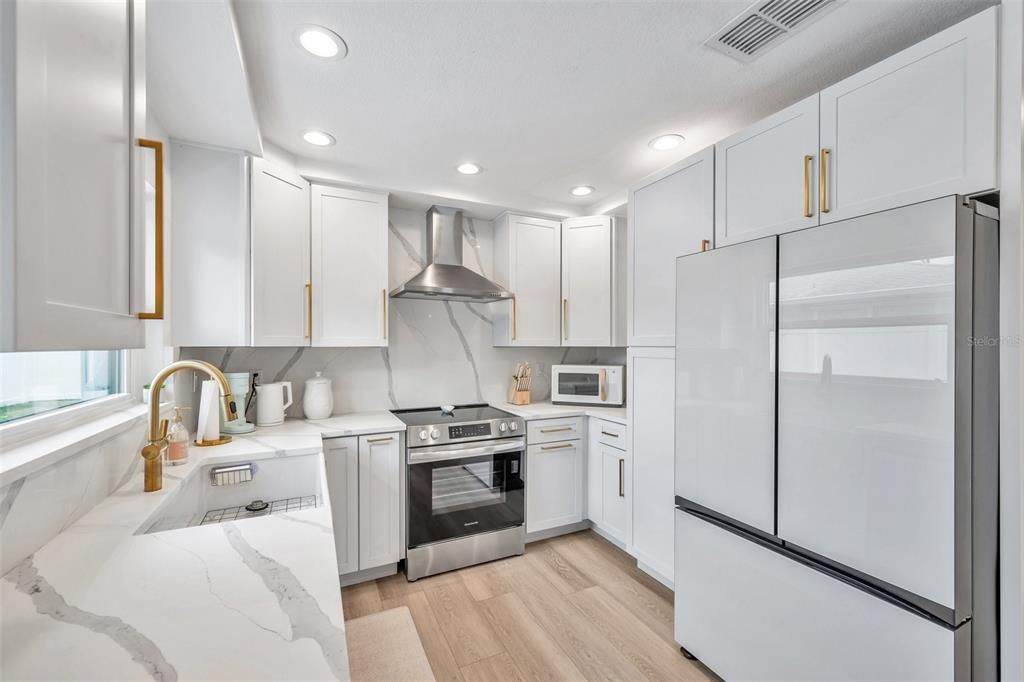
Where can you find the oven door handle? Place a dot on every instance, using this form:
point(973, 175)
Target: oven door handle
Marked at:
point(442, 454)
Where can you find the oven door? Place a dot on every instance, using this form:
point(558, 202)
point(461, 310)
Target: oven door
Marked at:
point(465, 489)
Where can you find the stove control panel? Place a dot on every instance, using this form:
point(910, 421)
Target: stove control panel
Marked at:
point(460, 431)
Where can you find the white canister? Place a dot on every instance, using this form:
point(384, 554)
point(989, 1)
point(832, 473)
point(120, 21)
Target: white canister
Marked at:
point(318, 398)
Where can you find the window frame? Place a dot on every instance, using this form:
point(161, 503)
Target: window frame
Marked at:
point(44, 424)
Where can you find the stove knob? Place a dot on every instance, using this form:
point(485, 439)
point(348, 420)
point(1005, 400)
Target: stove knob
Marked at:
point(503, 427)
point(512, 426)
point(423, 434)
point(435, 433)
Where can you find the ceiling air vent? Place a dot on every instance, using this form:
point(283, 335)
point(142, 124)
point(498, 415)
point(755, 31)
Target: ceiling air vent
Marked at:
point(765, 24)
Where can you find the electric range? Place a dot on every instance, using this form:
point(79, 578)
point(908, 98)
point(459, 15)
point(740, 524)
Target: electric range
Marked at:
point(465, 488)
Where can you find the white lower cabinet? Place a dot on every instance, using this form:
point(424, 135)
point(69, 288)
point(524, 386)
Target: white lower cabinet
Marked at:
point(609, 490)
point(741, 608)
point(554, 485)
point(342, 461)
point(380, 528)
point(364, 478)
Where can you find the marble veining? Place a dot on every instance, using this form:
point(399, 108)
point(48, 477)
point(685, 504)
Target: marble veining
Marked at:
point(10, 495)
point(49, 602)
point(296, 356)
point(385, 355)
point(307, 618)
point(466, 348)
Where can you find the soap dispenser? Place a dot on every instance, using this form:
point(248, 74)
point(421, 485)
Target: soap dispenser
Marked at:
point(177, 439)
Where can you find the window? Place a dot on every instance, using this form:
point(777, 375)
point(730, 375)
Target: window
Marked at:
point(33, 383)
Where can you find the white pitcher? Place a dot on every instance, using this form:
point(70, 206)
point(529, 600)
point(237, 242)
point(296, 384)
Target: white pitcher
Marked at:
point(270, 403)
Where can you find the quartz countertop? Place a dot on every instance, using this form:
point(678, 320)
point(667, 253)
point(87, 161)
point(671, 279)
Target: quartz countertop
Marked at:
point(254, 599)
point(546, 410)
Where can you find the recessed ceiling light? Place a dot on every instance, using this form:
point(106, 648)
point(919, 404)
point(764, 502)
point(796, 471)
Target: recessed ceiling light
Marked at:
point(318, 138)
point(468, 168)
point(663, 143)
point(581, 190)
point(321, 42)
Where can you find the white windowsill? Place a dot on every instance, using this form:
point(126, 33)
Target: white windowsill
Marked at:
point(32, 444)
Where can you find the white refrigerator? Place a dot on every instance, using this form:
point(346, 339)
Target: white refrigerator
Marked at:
point(836, 449)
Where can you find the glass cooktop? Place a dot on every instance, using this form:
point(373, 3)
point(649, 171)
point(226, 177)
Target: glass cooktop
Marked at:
point(430, 416)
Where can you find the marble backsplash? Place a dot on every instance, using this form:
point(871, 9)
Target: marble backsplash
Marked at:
point(440, 352)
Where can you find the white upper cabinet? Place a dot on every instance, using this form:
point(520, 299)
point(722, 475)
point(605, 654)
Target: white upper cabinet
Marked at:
point(672, 214)
point(527, 261)
point(593, 252)
point(71, 236)
point(280, 256)
point(917, 126)
point(210, 251)
point(766, 176)
point(349, 267)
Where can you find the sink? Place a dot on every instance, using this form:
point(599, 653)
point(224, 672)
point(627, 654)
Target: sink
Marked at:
point(283, 484)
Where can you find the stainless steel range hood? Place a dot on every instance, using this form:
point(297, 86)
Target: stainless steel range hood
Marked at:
point(445, 278)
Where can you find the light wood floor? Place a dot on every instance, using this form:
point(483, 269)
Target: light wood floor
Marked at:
point(573, 607)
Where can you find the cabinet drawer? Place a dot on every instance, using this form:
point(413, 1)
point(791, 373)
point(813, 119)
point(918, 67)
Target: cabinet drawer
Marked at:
point(610, 433)
point(550, 430)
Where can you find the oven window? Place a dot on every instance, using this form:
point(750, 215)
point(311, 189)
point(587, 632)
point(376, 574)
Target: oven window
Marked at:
point(578, 383)
point(465, 486)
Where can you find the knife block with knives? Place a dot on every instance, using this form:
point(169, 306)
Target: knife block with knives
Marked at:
point(519, 390)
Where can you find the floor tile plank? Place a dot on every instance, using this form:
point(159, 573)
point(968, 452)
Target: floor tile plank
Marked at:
point(442, 661)
point(361, 600)
point(539, 657)
point(652, 656)
point(497, 668)
point(467, 631)
point(559, 572)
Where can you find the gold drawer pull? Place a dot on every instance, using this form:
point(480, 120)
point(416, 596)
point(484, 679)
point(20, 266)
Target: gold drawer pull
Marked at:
point(613, 435)
point(823, 188)
point(557, 447)
point(514, 326)
point(556, 430)
point(807, 185)
point(384, 295)
point(158, 229)
point(565, 319)
point(380, 440)
point(309, 310)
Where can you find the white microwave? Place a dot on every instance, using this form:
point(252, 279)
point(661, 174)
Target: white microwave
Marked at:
point(588, 385)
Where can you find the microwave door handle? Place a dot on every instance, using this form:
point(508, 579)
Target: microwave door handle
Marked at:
point(441, 455)
point(602, 383)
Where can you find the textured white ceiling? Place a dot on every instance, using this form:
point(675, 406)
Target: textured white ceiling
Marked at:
point(543, 95)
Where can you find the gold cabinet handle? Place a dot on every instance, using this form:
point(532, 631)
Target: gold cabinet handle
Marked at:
point(705, 244)
point(384, 299)
point(556, 430)
point(158, 231)
point(807, 185)
point(380, 440)
point(514, 325)
point(561, 446)
point(622, 477)
point(823, 184)
point(565, 319)
point(309, 310)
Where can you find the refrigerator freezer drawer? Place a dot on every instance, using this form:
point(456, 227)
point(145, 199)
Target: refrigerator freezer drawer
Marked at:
point(748, 612)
